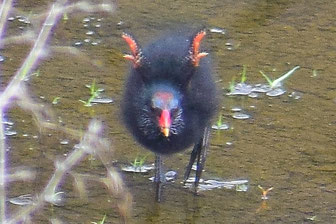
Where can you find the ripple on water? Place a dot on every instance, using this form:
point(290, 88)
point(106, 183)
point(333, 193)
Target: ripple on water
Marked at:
point(169, 176)
point(10, 133)
point(26, 199)
point(253, 95)
point(207, 185)
point(78, 43)
point(295, 95)
point(276, 92)
point(138, 169)
point(218, 30)
point(102, 100)
point(64, 142)
point(220, 126)
point(236, 109)
point(241, 116)
point(241, 89)
point(7, 122)
point(90, 32)
point(261, 88)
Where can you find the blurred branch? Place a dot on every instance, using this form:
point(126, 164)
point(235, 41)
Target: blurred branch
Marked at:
point(91, 141)
point(2, 170)
point(4, 11)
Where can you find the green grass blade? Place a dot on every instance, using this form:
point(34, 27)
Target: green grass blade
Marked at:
point(277, 82)
point(270, 82)
point(243, 74)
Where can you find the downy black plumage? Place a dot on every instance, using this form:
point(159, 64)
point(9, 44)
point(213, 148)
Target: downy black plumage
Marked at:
point(169, 98)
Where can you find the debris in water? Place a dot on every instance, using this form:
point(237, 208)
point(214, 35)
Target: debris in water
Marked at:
point(264, 192)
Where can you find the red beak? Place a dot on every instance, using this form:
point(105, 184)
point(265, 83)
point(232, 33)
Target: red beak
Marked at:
point(165, 122)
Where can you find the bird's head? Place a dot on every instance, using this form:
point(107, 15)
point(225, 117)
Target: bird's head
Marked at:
point(163, 72)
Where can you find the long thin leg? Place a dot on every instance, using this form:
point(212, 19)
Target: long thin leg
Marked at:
point(192, 159)
point(158, 179)
point(199, 152)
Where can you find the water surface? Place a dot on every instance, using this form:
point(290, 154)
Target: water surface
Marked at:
point(287, 143)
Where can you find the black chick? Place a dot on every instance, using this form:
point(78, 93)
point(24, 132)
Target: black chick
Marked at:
point(169, 99)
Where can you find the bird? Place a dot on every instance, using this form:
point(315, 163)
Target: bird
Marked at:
point(170, 98)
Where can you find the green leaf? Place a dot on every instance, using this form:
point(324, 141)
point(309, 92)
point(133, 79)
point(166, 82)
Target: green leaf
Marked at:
point(243, 74)
point(267, 78)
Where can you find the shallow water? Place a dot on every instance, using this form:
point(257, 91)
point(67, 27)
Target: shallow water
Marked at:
point(287, 143)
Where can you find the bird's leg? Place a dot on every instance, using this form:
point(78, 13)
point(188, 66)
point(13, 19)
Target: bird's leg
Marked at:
point(192, 159)
point(159, 178)
point(199, 152)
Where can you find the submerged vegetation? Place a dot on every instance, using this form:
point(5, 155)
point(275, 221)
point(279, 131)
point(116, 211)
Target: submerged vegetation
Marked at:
point(94, 93)
point(272, 89)
point(279, 81)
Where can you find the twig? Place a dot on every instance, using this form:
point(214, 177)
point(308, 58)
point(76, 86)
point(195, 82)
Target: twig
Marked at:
point(86, 146)
point(4, 11)
point(2, 170)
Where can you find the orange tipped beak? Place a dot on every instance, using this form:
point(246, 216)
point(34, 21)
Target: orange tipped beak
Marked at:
point(165, 122)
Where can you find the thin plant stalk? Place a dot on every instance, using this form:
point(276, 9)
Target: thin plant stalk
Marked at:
point(48, 194)
point(4, 11)
point(35, 54)
point(243, 75)
point(2, 171)
point(12, 91)
point(14, 85)
point(278, 82)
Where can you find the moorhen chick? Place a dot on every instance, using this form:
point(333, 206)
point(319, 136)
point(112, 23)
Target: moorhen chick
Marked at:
point(169, 99)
